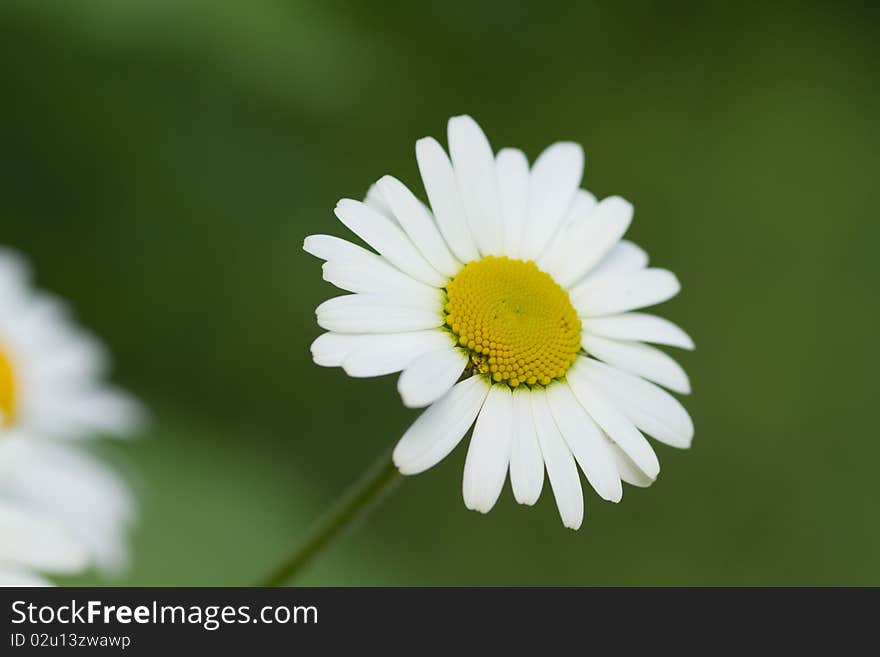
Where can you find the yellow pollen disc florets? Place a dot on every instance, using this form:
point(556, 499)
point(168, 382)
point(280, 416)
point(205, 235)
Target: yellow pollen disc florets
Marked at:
point(517, 323)
point(7, 391)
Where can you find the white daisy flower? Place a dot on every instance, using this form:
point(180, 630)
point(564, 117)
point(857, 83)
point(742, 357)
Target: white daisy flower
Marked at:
point(508, 305)
point(61, 510)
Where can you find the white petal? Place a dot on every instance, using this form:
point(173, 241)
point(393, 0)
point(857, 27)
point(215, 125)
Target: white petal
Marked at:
point(611, 294)
point(365, 354)
point(641, 359)
point(614, 423)
point(442, 189)
point(561, 468)
point(556, 176)
point(39, 317)
point(586, 442)
point(430, 376)
point(639, 327)
point(441, 427)
point(513, 189)
point(526, 462)
point(331, 349)
point(10, 577)
point(329, 247)
point(370, 313)
point(651, 409)
point(624, 257)
point(379, 278)
point(629, 471)
point(13, 265)
point(377, 302)
point(73, 361)
point(418, 223)
point(556, 256)
point(34, 542)
point(388, 239)
point(376, 200)
point(86, 411)
point(353, 268)
point(591, 240)
point(489, 452)
point(393, 352)
point(474, 165)
point(581, 206)
point(15, 273)
point(69, 487)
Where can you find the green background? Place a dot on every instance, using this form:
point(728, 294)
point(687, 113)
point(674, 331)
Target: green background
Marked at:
point(162, 160)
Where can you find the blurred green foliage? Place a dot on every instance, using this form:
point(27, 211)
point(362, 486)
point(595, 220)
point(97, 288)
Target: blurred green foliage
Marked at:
point(162, 161)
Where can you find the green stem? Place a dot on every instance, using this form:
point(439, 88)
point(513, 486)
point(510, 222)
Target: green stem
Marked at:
point(360, 498)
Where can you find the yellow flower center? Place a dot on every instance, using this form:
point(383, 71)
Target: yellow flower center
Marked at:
point(517, 323)
point(7, 391)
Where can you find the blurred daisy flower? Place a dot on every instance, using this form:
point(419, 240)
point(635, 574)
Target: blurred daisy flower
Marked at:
point(508, 305)
point(61, 510)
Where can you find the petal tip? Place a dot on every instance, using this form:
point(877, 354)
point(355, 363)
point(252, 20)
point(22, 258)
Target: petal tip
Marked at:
point(409, 400)
point(400, 462)
point(386, 181)
point(615, 496)
point(425, 142)
point(527, 500)
point(309, 245)
point(345, 204)
point(473, 502)
point(466, 124)
point(461, 118)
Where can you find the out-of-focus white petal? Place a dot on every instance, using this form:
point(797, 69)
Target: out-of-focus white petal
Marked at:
point(60, 509)
point(36, 542)
point(15, 273)
point(69, 362)
point(72, 489)
point(85, 412)
point(11, 577)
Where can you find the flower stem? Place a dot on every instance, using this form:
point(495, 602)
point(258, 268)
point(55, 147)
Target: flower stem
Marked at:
point(353, 505)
